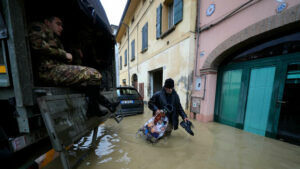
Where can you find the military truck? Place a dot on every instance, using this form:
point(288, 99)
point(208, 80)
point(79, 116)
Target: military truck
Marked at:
point(32, 113)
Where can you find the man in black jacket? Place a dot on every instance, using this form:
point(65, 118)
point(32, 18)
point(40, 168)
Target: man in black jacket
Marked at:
point(168, 96)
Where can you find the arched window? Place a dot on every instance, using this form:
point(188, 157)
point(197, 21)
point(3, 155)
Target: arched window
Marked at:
point(279, 46)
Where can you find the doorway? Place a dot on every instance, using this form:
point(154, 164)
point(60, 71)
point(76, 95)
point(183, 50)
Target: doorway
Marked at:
point(262, 97)
point(156, 80)
point(289, 120)
point(134, 81)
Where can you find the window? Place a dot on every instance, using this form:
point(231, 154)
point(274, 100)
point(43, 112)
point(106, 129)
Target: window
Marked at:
point(132, 50)
point(125, 55)
point(278, 46)
point(120, 62)
point(168, 15)
point(127, 91)
point(145, 37)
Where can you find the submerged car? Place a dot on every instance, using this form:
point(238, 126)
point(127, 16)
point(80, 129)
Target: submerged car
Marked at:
point(131, 101)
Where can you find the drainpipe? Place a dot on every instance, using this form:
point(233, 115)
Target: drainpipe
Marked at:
point(197, 38)
point(128, 52)
point(137, 53)
point(196, 72)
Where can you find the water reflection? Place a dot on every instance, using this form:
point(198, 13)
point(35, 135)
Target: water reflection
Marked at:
point(214, 146)
point(84, 143)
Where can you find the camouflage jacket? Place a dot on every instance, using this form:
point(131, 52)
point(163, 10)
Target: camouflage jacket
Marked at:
point(46, 48)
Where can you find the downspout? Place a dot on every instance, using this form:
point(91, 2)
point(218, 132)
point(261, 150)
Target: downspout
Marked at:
point(197, 38)
point(196, 73)
point(128, 58)
point(189, 92)
point(137, 47)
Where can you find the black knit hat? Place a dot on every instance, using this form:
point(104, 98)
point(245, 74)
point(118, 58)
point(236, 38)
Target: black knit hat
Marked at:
point(169, 83)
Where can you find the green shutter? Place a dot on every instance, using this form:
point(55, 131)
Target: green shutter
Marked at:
point(158, 21)
point(178, 11)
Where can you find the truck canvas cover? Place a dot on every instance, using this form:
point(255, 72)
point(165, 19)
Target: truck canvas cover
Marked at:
point(65, 115)
point(95, 10)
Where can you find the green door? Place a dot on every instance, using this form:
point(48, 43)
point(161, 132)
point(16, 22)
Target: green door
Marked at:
point(261, 96)
point(231, 87)
point(259, 99)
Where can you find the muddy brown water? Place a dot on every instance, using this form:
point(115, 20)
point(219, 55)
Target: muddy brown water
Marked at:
point(214, 146)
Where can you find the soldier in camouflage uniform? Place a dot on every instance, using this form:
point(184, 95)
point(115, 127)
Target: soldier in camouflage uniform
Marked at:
point(54, 64)
point(53, 61)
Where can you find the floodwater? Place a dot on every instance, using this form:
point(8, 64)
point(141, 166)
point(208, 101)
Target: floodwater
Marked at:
point(214, 146)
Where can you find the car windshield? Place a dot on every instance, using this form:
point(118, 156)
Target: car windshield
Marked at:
point(127, 91)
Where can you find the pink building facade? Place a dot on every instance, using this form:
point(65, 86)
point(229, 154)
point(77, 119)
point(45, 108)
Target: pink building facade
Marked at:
point(238, 44)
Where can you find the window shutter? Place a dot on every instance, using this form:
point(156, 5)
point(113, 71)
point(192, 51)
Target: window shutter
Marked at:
point(146, 35)
point(133, 50)
point(143, 36)
point(158, 21)
point(178, 11)
point(125, 64)
point(120, 62)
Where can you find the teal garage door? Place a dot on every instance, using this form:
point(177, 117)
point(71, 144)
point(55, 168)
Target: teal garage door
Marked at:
point(259, 99)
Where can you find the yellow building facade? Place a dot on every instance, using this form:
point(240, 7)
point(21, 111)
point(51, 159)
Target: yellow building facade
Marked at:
point(157, 41)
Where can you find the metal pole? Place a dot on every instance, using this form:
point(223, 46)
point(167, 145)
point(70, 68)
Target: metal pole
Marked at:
point(128, 52)
point(64, 160)
point(94, 136)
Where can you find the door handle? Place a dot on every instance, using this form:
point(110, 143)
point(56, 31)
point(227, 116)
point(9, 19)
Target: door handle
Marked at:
point(281, 102)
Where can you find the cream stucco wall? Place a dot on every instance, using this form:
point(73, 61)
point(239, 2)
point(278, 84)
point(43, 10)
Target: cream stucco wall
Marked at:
point(177, 62)
point(174, 53)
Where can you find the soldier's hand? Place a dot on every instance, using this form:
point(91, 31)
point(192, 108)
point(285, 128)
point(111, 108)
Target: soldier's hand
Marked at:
point(69, 57)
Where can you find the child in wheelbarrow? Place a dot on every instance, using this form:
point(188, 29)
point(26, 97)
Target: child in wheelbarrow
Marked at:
point(156, 127)
point(168, 99)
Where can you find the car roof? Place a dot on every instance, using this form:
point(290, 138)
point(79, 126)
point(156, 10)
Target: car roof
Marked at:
point(126, 87)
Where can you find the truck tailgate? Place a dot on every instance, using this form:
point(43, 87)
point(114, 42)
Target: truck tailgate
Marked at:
point(65, 118)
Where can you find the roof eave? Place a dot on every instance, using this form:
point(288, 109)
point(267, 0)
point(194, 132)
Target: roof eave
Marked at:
point(121, 26)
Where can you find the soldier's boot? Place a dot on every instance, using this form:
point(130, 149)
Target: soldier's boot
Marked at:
point(93, 102)
point(105, 102)
point(93, 109)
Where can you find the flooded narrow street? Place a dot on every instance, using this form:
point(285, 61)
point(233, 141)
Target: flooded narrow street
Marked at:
point(214, 146)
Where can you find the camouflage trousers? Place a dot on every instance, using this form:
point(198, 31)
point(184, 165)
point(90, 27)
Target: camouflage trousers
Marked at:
point(70, 75)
